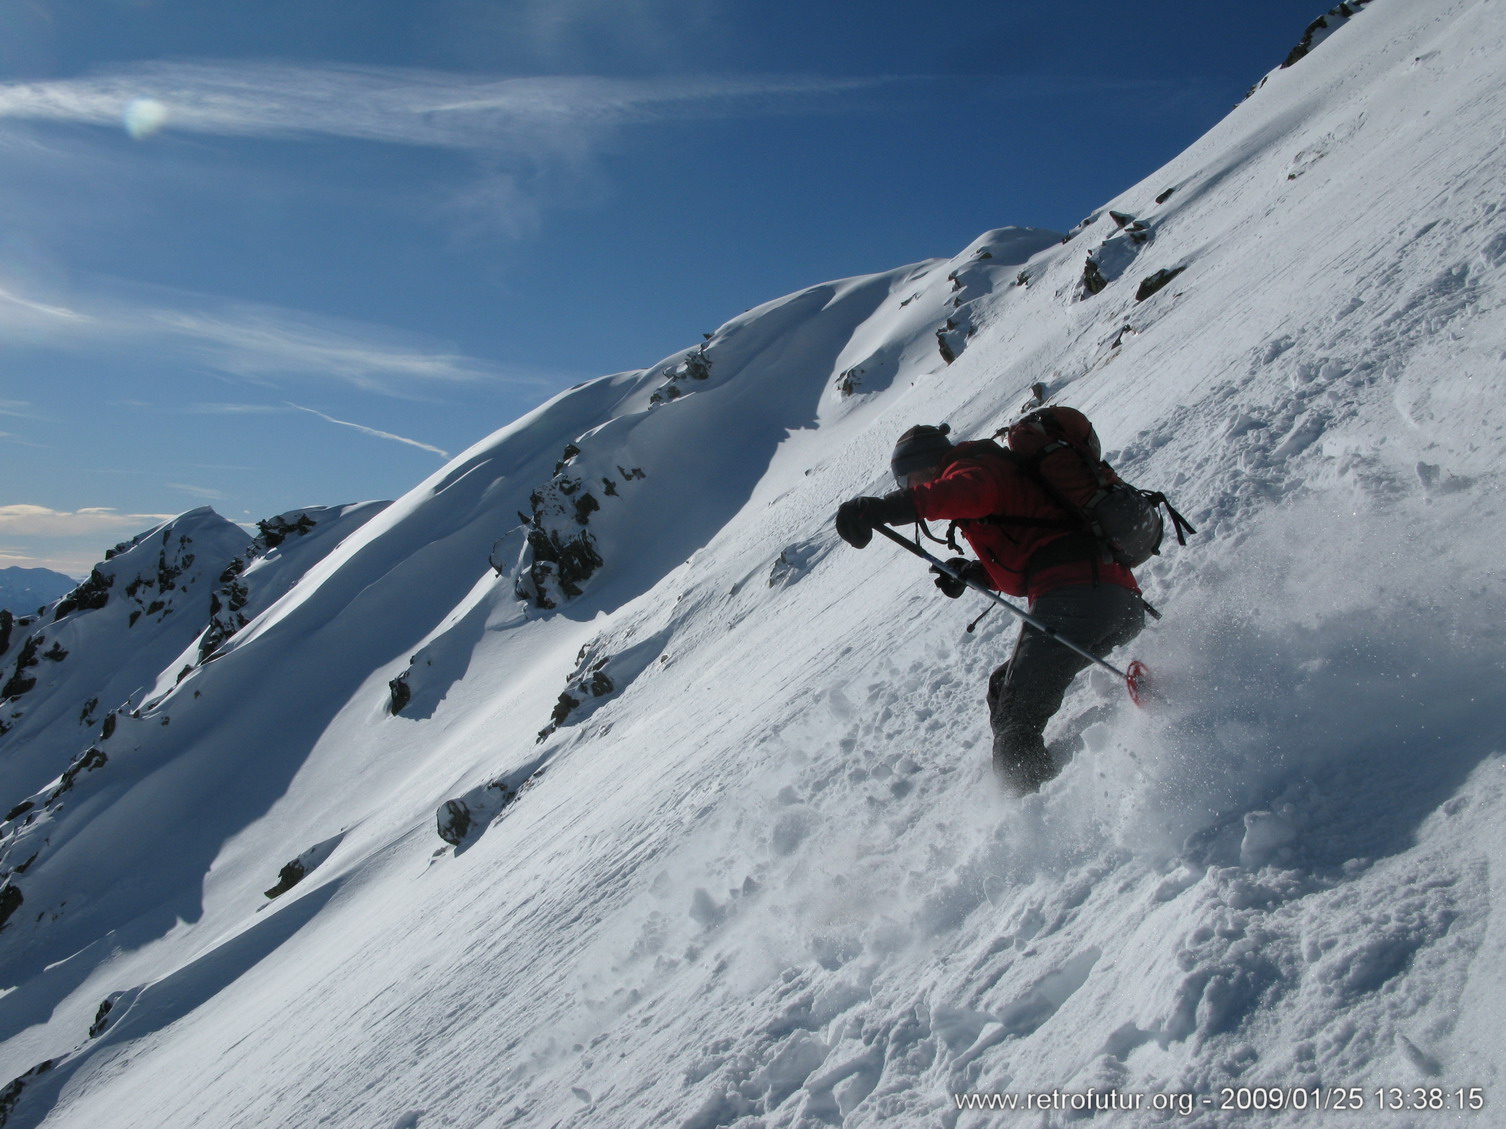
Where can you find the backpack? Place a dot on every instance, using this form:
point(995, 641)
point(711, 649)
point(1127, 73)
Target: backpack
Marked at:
point(1058, 448)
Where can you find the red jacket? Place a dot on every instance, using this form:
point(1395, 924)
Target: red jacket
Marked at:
point(980, 483)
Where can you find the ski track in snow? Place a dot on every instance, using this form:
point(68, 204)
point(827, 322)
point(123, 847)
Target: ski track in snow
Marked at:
point(758, 874)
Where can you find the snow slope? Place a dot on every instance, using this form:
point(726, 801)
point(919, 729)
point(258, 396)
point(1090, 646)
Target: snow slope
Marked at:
point(752, 869)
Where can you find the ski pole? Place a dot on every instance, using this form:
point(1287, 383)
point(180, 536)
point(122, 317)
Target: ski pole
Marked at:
point(1136, 678)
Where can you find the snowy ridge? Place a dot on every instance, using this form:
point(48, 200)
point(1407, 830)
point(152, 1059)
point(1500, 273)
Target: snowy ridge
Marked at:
point(89, 653)
point(737, 858)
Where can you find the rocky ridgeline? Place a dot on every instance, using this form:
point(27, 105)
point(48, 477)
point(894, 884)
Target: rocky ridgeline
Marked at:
point(137, 609)
point(1321, 28)
point(142, 581)
point(1317, 31)
point(114, 635)
point(228, 601)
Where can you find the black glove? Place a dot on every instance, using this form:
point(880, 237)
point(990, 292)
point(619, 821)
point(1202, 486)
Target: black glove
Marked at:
point(857, 518)
point(968, 570)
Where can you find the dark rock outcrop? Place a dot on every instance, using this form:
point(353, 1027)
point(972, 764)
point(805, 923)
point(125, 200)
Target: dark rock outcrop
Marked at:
point(305, 864)
point(1093, 280)
point(88, 761)
point(93, 593)
point(590, 680)
point(20, 682)
point(10, 902)
point(12, 1092)
point(1320, 28)
point(226, 602)
point(559, 552)
point(102, 1015)
point(695, 367)
point(400, 694)
point(275, 530)
point(288, 877)
point(1155, 282)
point(463, 819)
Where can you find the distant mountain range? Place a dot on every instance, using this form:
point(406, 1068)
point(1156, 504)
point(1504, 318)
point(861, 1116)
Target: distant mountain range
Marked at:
point(24, 590)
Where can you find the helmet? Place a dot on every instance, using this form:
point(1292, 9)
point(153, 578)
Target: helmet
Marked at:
point(921, 447)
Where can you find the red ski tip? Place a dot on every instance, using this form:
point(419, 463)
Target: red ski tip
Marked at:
point(1137, 678)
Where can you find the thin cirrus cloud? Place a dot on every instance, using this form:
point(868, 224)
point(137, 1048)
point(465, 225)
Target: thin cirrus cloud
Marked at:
point(257, 342)
point(402, 106)
point(262, 342)
point(528, 137)
point(531, 141)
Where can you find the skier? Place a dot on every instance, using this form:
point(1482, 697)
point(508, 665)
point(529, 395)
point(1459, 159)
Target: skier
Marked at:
point(1027, 545)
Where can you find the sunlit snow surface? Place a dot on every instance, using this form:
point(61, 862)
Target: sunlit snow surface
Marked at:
point(766, 879)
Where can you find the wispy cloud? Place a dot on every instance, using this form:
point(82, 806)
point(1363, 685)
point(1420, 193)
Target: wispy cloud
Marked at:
point(22, 410)
point(260, 341)
point(246, 340)
point(395, 105)
point(531, 142)
point(16, 306)
point(21, 520)
point(373, 432)
point(203, 492)
point(237, 409)
point(16, 440)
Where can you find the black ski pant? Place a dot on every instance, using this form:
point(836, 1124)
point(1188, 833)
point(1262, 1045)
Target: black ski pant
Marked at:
point(1026, 691)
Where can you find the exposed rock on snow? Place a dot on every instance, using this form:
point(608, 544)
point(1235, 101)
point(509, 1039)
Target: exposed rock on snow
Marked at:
point(301, 867)
point(106, 1008)
point(1317, 31)
point(92, 594)
point(1321, 28)
point(696, 366)
point(11, 1094)
point(797, 560)
point(274, 565)
point(559, 554)
point(1152, 283)
point(1093, 280)
point(599, 676)
point(10, 901)
point(400, 693)
point(1111, 259)
point(463, 819)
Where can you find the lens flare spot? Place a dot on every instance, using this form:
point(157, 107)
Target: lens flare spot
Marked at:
point(144, 117)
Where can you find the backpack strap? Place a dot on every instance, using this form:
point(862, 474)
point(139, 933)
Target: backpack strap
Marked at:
point(951, 537)
point(1179, 523)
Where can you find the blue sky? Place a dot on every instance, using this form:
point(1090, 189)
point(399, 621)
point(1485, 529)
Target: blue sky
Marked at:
point(261, 256)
